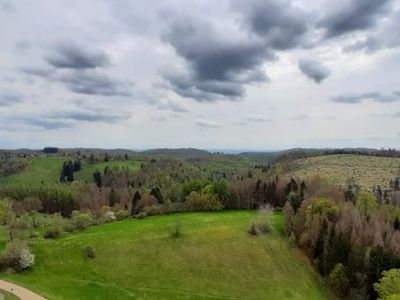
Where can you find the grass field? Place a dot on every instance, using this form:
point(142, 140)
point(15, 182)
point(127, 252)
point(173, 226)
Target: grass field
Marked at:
point(47, 170)
point(336, 169)
point(215, 258)
point(8, 296)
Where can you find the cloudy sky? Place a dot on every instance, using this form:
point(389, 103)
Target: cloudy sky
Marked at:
point(228, 74)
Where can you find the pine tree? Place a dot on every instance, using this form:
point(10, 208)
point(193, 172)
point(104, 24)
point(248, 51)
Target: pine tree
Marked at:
point(135, 200)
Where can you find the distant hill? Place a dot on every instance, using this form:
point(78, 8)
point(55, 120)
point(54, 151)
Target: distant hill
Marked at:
point(338, 168)
point(178, 153)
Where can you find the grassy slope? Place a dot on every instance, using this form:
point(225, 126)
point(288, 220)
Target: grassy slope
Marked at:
point(88, 169)
point(8, 296)
point(214, 259)
point(47, 169)
point(367, 170)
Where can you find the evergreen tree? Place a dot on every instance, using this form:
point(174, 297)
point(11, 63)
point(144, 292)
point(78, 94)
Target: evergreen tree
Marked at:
point(97, 178)
point(135, 199)
point(113, 197)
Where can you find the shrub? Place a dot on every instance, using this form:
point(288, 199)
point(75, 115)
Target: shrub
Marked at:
point(263, 224)
point(81, 220)
point(90, 252)
point(52, 233)
point(338, 280)
point(199, 202)
point(177, 229)
point(141, 215)
point(389, 284)
point(253, 230)
point(17, 255)
point(122, 214)
point(27, 259)
point(264, 227)
point(69, 227)
point(34, 234)
point(154, 210)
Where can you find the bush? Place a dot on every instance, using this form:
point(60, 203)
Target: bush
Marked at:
point(200, 202)
point(264, 227)
point(90, 252)
point(69, 227)
point(177, 229)
point(17, 255)
point(27, 259)
point(34, 234)
point(122, 214)
point(52, 233)
point(339, 281)
point(154, 210)
point(141, 215)
point(389, 284)
point(253, 230)
point(81, 220)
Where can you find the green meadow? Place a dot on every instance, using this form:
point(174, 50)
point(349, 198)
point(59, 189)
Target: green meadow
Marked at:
point(48, 169)
point(214, 258)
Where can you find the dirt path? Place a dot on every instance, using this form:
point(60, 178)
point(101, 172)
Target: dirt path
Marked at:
point(19, 291)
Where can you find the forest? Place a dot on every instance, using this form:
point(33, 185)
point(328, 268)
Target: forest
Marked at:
point(350, 233)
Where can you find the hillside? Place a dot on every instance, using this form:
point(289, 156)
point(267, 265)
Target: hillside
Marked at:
point(215, 258)
point(337, 169)
point(46, 169)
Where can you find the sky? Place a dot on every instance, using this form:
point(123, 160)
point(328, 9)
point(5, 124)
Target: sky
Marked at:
point(227, 74)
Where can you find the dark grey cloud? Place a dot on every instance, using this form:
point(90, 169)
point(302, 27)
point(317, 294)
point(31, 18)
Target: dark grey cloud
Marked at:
point(352, 15)
point(314, 69)
point(43, 123)
point(93, 115)
point(217, 65)
point(386, 37)
point(40, 72)
point(10, 98)
point(371, 96)
point(68, 55)
point(91, 82)
point(281, 24)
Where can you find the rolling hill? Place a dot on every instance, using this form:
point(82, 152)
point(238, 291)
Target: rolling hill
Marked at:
point(337, 169)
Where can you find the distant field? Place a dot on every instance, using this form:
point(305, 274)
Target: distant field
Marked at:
point(48, 169)
point(215, 258)
point(336, 169)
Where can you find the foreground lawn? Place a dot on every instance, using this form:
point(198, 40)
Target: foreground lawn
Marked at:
point(215, 258)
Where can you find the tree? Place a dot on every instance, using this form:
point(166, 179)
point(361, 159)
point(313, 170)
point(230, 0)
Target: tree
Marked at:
point(156, 192)
point(339, 281)
point(97, 178)
point(113, 198)
point(366, 202)
point(389, 284)
point(7, 215)
point(135, 200)
point(396, 223)
point(294, 201)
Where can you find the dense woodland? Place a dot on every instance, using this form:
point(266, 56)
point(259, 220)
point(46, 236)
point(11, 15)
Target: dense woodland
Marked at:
point(351, 235)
